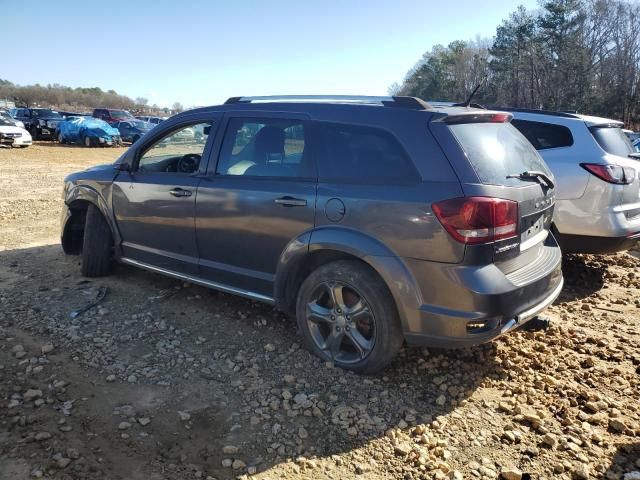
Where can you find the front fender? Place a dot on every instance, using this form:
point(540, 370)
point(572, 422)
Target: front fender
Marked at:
point(86, 193)
point(391, 268)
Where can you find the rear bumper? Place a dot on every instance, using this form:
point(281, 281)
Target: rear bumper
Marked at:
point(597, 245)
point(470, 305)
point(457, 328)
point(604, 220)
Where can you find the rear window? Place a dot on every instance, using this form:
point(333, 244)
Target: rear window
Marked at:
point(612, 140)
point(358, 154)
point(544, 135)
point(496, 150)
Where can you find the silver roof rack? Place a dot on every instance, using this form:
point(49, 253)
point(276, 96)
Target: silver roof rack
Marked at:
point(405, 102)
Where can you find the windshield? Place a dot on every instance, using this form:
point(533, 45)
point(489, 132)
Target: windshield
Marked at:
point(45, 112)
point(140, 124)
point(612, 140)
point(120, 114)
point(5, 122)
point(496, 150)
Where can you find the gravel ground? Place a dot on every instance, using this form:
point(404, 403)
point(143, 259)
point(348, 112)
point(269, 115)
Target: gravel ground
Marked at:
point(165, 380)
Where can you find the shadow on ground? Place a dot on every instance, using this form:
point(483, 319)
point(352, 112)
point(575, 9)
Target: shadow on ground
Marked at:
point(625, 460)
point(584, 276)
point(236, 366)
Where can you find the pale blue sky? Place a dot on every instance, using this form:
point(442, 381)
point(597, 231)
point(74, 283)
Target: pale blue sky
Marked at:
point(202, 52)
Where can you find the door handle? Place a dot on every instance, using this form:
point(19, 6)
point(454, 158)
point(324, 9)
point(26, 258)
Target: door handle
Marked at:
point(291, 202)
point(179, 192)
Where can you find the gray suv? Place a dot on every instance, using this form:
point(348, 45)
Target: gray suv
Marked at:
point(372, 220)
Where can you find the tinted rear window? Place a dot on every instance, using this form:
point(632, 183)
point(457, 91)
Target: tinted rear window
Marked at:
point(544, 135)
point(497, 150)
point(612, 140)
point(350, 153)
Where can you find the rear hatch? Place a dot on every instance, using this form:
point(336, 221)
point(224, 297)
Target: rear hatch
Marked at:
point(493, 160)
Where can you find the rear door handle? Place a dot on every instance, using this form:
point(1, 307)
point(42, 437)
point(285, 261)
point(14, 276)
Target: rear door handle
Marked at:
point(291, 202)
point(180, 192)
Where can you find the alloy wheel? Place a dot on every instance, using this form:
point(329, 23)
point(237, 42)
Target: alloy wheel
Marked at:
point(341, 322)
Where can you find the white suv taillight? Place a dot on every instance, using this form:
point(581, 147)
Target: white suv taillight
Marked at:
point(473, 220)
point(611, 173)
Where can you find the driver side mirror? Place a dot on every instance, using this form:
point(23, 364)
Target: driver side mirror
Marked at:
point(122, 167)
point(206, 130)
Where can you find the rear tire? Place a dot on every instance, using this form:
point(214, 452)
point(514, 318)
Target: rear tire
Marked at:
point(368, 340)
point(61, 139)
point(97, 245)
point(34, 133)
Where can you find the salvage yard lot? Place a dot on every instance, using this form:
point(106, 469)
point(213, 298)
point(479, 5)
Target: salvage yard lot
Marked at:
point(164, 380)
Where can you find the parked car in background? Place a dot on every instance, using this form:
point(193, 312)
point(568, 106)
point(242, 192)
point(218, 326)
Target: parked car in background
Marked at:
point(41, 122)
point(132, 130)
point(636, 144)
point(89, 131)
point(12, 135)
point(598, 189)
point(373, 220)
point(73, 114)
point(111, 115)
point(153, 120)
point(5, 115)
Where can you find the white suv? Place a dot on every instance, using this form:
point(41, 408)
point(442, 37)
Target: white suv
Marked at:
point(596, 170)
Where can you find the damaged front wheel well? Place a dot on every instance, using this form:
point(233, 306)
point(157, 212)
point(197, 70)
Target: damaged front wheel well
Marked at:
point(73, 234)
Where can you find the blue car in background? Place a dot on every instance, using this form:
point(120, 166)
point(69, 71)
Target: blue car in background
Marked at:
point(89, 132)
point(131, 130)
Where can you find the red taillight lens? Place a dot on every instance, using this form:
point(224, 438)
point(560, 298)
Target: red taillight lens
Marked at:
point(611, 173)
point(473, 220)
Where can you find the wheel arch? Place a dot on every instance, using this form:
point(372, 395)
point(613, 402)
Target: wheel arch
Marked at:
point(77, 202)
point(327, 244)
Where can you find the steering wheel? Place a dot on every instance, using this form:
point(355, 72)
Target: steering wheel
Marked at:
point(189, 163)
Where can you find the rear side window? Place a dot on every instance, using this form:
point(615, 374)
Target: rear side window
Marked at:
point(612, 140)
point(497, 150)
point(356, 154)
point(544, 135)
point(265, 148)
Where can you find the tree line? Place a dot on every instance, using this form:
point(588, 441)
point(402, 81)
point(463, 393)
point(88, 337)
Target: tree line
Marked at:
point(76, 99)
point(568, 55)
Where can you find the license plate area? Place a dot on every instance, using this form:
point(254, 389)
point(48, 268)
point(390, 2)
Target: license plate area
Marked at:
point(531, 225)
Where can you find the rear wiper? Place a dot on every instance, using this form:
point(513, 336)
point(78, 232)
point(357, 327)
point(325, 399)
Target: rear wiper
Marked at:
point(534, 175)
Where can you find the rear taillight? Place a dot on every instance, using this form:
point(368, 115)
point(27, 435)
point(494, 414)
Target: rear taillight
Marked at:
point(474, 220)
point(611, 173)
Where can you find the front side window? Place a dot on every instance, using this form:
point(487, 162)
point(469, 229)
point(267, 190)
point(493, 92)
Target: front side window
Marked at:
point(544, 135)
point(356, 154)
point(265, 148)
point(177, 152)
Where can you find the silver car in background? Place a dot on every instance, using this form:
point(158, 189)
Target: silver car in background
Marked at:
point(597, 185)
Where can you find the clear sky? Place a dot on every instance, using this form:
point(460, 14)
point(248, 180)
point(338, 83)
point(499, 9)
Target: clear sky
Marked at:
point(202, 52)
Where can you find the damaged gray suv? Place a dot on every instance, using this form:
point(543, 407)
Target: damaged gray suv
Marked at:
point(372, 220)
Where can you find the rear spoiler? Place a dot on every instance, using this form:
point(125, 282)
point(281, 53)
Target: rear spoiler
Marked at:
point(478, 117)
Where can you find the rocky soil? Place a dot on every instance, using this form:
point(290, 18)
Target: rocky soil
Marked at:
point(165, 380)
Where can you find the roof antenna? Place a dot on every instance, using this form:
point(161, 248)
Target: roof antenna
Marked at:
point(467, 102)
